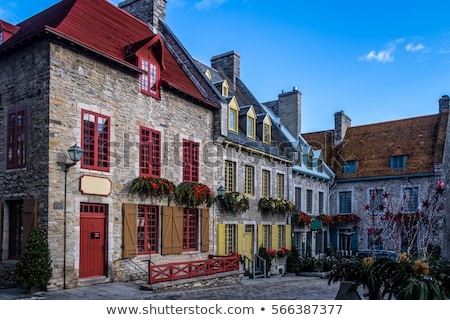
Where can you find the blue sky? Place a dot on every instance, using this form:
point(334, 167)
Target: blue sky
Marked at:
point(375, 60)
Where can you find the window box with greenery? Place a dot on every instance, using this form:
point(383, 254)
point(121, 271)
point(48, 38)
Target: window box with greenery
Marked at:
point(157, 187)
point(344, 219)
point(276, 205)
point(302, 219)
point(235, 202)
point(193, 194)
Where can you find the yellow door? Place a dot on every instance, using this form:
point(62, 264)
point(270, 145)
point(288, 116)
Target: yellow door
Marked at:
point(249, 249)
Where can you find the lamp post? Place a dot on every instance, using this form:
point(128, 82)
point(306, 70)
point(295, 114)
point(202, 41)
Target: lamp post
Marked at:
point(221, 193)
point(75, 154)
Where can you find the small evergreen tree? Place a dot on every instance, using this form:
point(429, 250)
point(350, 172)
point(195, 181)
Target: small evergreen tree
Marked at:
point(34, 268)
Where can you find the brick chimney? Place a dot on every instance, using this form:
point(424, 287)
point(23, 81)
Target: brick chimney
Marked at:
point(149, 11)
point(444, 103)
point(229, 63)
point(341, 123)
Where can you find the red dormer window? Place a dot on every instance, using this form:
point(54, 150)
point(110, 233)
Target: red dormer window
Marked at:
point(150, 79)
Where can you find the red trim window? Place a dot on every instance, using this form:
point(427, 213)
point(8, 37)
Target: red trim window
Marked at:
point(150, 153)
point(95, 140)
point(16, 139)
point(190, 161)
point(150, 79)
point(190, 229)
point(147, 229)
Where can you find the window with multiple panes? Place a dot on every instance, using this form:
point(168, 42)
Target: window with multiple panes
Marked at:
point(251, 127)
point(191, 161)
point(16, 139)
point(147, 229)
point(265, 183)
point(281, 236)
point(345, 202)
point(266, 239)
point(298, 199)
point(230, 239)
point(280, 186)
point(150, 153)
point(95, 137)
point(411, 199)
point(249, 180)
point(350, 166)
point(321, 202)
point(232, 118)
point(309, 201)
point(190, 229)
point(266, 133)
point(376, 202)
point(398, 162)
point(230, 176)
point(149, 80)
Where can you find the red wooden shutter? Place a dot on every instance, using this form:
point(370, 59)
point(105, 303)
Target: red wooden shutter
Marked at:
point(204, 230)
point(129, 217)
point(30, 216)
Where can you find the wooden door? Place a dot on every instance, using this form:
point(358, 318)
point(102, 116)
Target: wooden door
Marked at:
point(93, 240)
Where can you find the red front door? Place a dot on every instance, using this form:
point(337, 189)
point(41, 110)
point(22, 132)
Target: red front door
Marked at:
point(92, 240)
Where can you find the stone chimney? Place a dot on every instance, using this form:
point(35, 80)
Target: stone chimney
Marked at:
point(289, 108)
point(444, 103)
point(229, 63)
point(341, 123)
point(149, 11)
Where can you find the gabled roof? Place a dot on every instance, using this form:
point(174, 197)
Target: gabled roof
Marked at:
point(421, 139)
point(102, 27)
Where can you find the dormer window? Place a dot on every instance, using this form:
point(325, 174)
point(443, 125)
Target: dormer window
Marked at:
point(350, 166)
point(150, 79)
point(208, 74)
point(267, 128)
point(233, 113)
point(251, 123)
point(398, 162)
point(225, 89)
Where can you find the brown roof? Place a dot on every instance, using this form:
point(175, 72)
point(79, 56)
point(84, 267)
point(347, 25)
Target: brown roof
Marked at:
point(421, 139)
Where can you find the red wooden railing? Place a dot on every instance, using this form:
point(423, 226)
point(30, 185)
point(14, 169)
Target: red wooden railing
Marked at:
point(190, 269)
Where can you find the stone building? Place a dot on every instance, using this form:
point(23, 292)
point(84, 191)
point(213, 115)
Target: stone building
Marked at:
point(256, 150)
point(85, 73)
point(385, 172)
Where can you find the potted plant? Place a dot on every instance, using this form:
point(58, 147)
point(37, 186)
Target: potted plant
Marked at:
point(235, 202)
point(193, 194)
point(158, 187)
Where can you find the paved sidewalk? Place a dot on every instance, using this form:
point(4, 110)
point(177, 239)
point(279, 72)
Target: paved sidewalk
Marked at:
point(274, 288)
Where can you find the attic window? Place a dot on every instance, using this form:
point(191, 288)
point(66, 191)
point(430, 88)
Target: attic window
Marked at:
point(208, 74)
point(398, 162)
point(251, 123)
point(225, 89)
point(267, 128)
point(350, 166)
point(233, 111)
point(149, 80)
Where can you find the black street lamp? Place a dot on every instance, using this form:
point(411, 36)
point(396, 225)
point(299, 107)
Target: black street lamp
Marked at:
point(221, 193)
point(75, 154)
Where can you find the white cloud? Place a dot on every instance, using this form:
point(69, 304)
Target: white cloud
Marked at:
point(206, 4)
point(414, 47)
point(383, 55)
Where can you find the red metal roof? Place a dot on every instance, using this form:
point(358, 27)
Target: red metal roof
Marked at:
point(104, 28)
